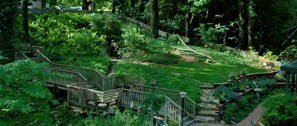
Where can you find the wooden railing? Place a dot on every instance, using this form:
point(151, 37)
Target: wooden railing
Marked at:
point(134, 99)
point(20, 55)
point(41, 57)
point(89, 99)
point(190, 105)
point(75, 96)
point(172, 110)
point(95, 78)
point(64, 77)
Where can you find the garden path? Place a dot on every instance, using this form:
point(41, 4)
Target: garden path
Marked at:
point(252, 118)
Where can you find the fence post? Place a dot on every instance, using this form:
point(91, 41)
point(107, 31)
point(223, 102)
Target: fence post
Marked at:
point(182, 96)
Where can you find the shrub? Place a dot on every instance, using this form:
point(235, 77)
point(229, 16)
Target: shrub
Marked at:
point(160, 58)
point(289, 54)
point(281, 110)
point(211, 34)
point(66, 34)
point(236, 111)
point(24, 96)
point(223, 92)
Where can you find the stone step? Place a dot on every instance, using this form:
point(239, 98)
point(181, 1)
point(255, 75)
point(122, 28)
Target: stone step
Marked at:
point(206, 92)
point(208, 113)
point(209, 106)
point(210, 99)
point(206, 87)
point(206, 119)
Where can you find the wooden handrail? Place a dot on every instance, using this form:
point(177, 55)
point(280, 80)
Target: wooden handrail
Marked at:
point(38, 54)
point(190, 105)
point(132, 98)
point(71, 72)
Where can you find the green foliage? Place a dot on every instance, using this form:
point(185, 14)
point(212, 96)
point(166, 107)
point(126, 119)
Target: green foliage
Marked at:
point(262, 82)
point(66, 116)
point(198, 6)
point(153, 101)
point(272, 20)
point(24, 95)
point(126, 118)
point(66, 35)
point(167, 77)
point(8, 28)
point(91, 62)
point(235, 112)
point(223, 92)
point(134, 39)
point(280, 110)
point(269, 55)
point(138, 45)
point(289, 54)
point(160, 58)
point(211, 34)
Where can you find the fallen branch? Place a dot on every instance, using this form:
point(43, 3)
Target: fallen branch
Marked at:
point(190, 49)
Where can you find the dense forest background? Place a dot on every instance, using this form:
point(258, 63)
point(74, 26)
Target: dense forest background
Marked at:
point(259, 25)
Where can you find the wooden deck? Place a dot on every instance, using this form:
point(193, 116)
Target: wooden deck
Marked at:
point(89, 91)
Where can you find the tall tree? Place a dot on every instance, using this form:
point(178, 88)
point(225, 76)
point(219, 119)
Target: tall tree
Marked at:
point(25, 21)
point(8, 19)
point(243, 24)
point(84, 4)
point(186, 19)
point(53, 2)
point(154, 18)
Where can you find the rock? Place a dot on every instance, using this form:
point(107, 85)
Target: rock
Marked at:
point(223, 122)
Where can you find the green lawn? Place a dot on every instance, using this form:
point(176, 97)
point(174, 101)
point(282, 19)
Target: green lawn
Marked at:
point(183, 76)
point(208, 73)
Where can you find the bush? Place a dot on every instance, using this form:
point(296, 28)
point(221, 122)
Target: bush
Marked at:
point(66, 34)
point(24, 96)
point(281, 110)
point(160, 58)
point(126, 118)
point(289, 54)
point(211, 34)
point(236, 111)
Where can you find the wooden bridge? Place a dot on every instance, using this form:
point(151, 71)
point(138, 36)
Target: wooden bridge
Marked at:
point(89, 91)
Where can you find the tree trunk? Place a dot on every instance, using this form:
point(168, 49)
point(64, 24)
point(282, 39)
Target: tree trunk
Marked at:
point(43, 4)
point(53, 2)
point(84, 5)
point(154, 19)
point(132, 2)
point(187, 20)
point(25, 21)
point(243, 24)
point(174, 8)
point(142, 6)
point(113, 8)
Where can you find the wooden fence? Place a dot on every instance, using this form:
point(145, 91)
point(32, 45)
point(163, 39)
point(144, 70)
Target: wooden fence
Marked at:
point(94, 78)
point(134, 99)
point(174, 95)
point(91, 100)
